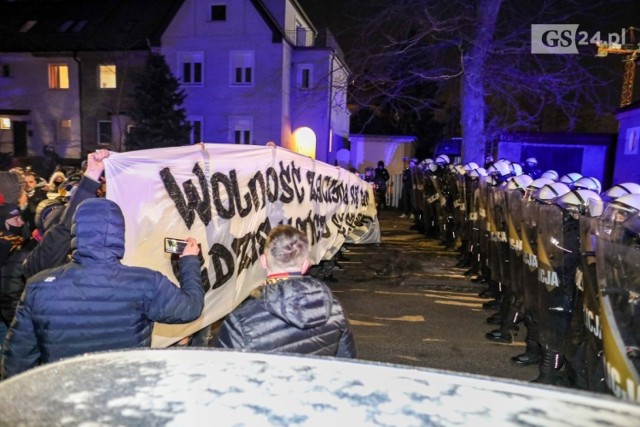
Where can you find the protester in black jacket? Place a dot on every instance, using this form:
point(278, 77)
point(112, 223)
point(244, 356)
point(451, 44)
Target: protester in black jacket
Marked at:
point(289, 312)
point(94, 302)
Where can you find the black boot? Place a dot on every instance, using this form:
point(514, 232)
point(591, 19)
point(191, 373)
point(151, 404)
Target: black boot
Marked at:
point(531, 355)
point(549, 367)
point(495, 319)
point(498, 335)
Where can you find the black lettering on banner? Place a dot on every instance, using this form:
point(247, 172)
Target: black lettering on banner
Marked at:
point(194, 203)
point(286, 181)
point(312, 190)
point(258, 178)
point(297, 179)
point(221, 255)
point(242, 211)
point(338, 221)
point(272, 185)
point(315, 225)
point(249, 247)
point(354, 195)
point(218, 179)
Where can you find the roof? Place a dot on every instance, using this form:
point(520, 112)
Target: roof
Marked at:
point(84, 25)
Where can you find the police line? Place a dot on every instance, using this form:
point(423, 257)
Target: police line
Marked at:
point(228, 197)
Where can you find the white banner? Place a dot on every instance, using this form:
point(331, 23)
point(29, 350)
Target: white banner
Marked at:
point(228, 197)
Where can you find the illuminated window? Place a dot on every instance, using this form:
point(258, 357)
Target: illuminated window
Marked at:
point(241, 129)
point(104, 132)
point(218, 12)
point(242, 68)
point(58, 76)
point(304, 76)
point(107, 76)
point(191, 67)
point(65, 123)
point(5, 123)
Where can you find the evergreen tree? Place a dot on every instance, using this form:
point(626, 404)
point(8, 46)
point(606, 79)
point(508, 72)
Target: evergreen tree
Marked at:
point(158, 115)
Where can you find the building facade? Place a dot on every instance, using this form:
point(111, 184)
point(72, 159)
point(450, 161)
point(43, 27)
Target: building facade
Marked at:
point(253, 71)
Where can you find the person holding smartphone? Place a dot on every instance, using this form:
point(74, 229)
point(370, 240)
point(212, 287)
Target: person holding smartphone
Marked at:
point(94, 302)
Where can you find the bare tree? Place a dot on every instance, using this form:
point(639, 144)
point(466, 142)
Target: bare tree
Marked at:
point(475, 57)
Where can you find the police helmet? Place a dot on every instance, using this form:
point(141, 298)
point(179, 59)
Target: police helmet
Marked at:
point(477, 173)
point(537, 184)
point(620, 190)
point(520, 182)
point(581, 202)
point(471, 166)
point(588, 183)
point(549, 192)
point(532, 160)
point(570, 178)
point(502, 167)
point(630, 204)
point(551, 174)
point(443, 159)
point(516, 169)
point(433, 166)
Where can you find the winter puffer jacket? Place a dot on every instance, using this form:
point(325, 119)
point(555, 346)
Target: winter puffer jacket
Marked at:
point(95, 303)
point(294, 315)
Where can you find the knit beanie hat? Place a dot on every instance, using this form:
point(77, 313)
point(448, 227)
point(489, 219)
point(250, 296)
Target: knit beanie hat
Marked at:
point(9, 187)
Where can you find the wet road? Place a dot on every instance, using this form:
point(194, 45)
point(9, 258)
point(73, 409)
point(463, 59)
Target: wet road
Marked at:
point(408, 304)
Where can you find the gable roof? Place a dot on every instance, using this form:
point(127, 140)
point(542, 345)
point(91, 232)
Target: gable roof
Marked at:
point(84, 25)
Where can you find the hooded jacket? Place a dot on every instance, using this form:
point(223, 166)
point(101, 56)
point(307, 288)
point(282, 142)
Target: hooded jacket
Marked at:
point(95, 303)
point(295, 315)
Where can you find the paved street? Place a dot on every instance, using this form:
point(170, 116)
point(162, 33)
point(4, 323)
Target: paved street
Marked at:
point(409, 305)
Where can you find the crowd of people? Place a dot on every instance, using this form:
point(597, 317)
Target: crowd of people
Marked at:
point(544, 247)
point(64, 291)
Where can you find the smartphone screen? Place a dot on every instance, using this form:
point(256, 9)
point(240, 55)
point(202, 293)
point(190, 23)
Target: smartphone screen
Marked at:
point(174, 246)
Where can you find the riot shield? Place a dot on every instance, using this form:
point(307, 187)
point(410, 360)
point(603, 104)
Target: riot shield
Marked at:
point(500, 217)
point(514, 236)
point(431, 198)
point(495, 230)
point(460, 207)
point(584, 340)
point(484, 222)
point(530, 256)
point(529, 264)
point(558, 258)
point(618, 271)
point(473, 222)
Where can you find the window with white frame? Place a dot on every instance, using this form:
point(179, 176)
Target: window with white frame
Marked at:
point(218, 12)
point(107, 76)
point(195, 124)
point(242, 64)
point(58, 76)
point(240, 129)
point(104, 132)
point(304, 76)
point(191, 67)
